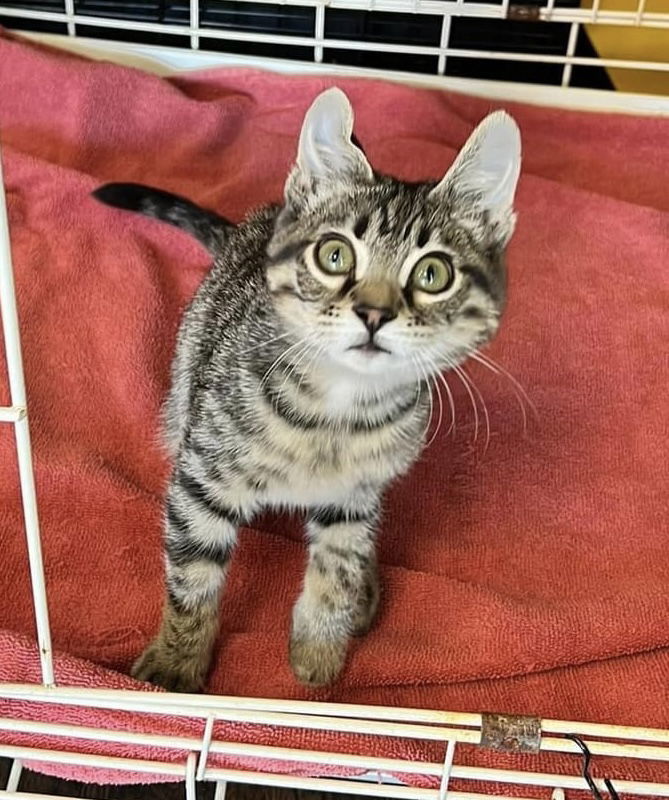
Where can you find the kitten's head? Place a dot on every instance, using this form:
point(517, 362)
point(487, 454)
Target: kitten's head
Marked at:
point(389, 278)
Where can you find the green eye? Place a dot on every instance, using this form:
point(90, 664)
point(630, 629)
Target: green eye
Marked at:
point(433, 273)
point(335, 256)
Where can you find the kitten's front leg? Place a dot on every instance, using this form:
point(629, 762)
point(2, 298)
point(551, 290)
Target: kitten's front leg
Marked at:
point(200, 534)
point(340, 594)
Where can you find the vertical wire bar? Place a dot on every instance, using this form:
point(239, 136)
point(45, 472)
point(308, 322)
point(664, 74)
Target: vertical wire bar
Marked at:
point(195, 24)
point(549, 9)
point(17, 390)
point(595, 10)
point(446, 772)
point(14, 776)
point(220, 790)
point(69, 10)
point(319, 32)
point(191, 763)
point(640, 12)
point(571, 49)
point(206, 744)
point(505, 9)
point(443, 43)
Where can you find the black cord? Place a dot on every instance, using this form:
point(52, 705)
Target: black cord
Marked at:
point(585, 772)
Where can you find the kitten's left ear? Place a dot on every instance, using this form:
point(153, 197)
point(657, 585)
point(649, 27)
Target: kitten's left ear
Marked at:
point(484, 175)
point(326, 155)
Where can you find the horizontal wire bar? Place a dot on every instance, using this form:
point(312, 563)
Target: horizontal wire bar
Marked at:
point(33, 796)
point(384, 790)
point(206, 704)
point(12, 413)
point(93, 760)
point(491, 12)
point(432, 7)
point(203, 705)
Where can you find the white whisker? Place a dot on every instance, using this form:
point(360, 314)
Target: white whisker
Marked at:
point(483, 406)
point(451, 402)
point(520, 394)
point(423, 371)
point(465, 383)
point(265, 343)
point(295, 362)
point(278, 360)
point(432, 382)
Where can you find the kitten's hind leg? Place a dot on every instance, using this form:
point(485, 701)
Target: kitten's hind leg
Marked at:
point(340, 594)
point(200, 535)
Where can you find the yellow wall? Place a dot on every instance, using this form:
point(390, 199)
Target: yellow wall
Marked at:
point(648, 44)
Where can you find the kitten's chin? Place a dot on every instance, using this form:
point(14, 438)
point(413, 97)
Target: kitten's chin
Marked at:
point(375, 364)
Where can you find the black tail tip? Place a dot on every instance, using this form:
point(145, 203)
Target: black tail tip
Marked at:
point(130, 196)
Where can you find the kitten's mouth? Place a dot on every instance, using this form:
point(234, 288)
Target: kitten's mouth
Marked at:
point(369, 347)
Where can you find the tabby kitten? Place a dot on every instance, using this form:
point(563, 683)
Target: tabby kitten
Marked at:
point(300, 376)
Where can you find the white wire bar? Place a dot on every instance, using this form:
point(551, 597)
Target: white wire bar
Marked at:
point(443, 43)
point(17, 414)
point(14, 776)
point(201, 706)
point(319, 32)
point(12, 413)
point(571, 48)
point(194, 22)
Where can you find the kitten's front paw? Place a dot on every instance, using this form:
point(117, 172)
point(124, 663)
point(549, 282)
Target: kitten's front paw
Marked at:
point(315, 662)
point(173, 671)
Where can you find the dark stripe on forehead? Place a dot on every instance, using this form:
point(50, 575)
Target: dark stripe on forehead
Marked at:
point(423, 236)
point(409, 226)
point(361, 226)
point(384, 222)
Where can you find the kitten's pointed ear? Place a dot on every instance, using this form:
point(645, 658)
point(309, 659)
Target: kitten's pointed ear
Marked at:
point(484, 175)
point(326, 155)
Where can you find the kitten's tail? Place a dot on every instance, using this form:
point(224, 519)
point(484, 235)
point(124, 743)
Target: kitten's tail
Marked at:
point(207, 227)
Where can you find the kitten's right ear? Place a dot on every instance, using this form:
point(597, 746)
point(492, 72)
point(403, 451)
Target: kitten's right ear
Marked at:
point(326, 154)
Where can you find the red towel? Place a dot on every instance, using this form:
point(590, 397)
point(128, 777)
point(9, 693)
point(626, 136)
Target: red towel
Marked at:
point(531, 578)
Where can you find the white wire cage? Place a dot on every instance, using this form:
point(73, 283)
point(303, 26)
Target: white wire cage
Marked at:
point(553, 43)
point(196, 758)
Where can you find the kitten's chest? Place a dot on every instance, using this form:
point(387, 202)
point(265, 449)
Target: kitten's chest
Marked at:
point(297, 467)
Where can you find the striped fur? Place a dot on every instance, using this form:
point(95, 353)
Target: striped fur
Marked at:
point(284, 393)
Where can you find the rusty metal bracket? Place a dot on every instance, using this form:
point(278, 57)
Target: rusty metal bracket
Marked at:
point(523, 13)
point(509, 733)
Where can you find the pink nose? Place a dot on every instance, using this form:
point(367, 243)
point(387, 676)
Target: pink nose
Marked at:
point(373, 318)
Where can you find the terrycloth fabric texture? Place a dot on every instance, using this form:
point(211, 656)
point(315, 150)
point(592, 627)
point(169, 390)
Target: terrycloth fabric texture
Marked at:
point(531, 578)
